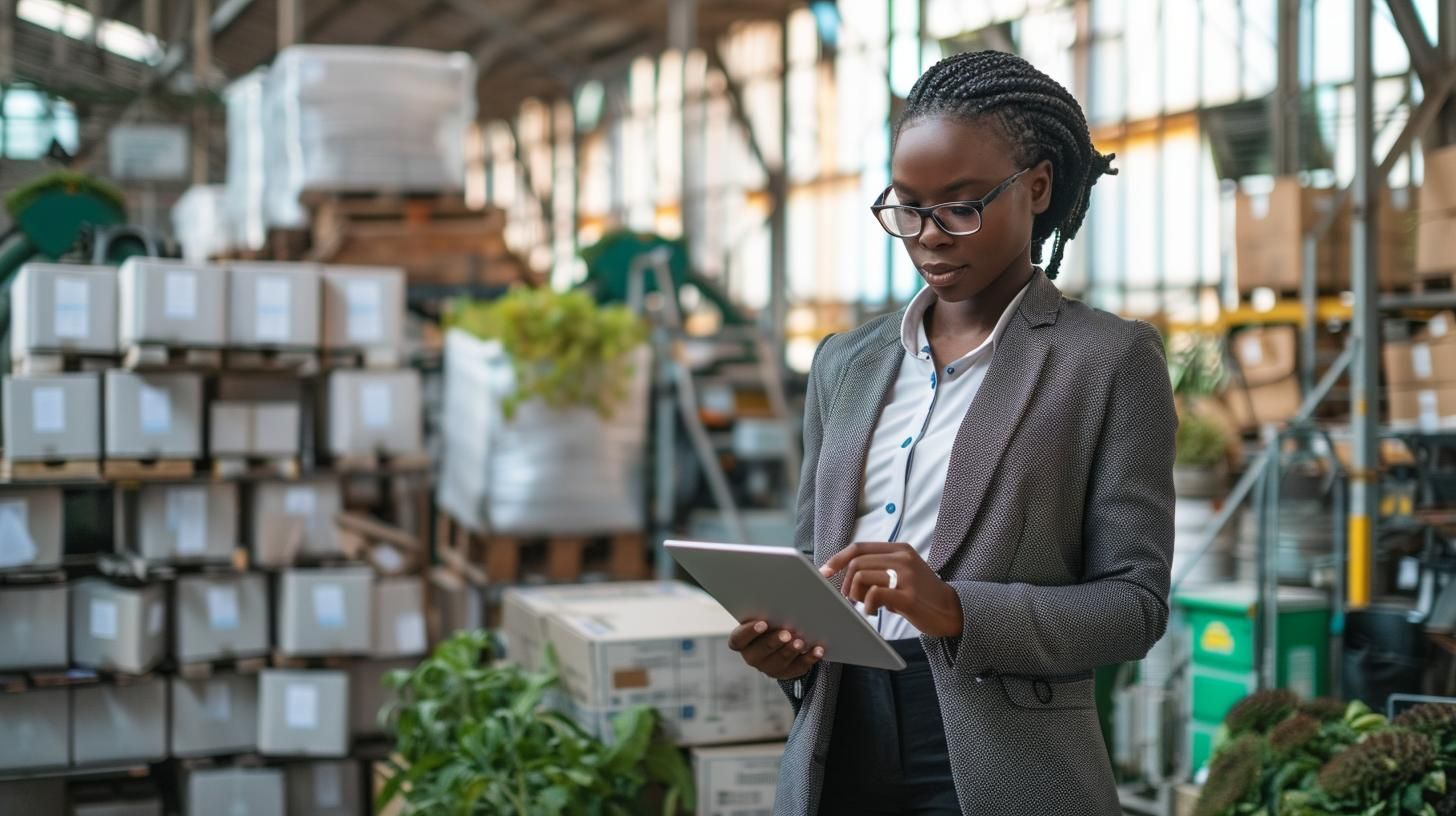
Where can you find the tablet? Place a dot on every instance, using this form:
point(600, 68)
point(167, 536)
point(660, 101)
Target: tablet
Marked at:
point(781, 586)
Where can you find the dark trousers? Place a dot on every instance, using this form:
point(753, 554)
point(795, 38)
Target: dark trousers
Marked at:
point(887, 753)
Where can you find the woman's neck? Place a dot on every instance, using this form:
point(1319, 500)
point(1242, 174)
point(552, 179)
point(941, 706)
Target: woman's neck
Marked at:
point(973, 319)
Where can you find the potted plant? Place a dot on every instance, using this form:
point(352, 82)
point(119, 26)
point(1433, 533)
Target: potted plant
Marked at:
point(1200, 465)
point(475, 738)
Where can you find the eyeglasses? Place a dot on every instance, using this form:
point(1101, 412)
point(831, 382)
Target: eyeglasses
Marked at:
point(957, 218)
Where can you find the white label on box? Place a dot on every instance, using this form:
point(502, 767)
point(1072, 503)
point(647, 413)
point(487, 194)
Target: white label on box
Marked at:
point(1409, 574)
point(328, 606)
point(180, 296)
point(300, 705)
point(48, 409)
point(1430, 417)
point(17, 548)
point(1421, 361)
point(375, 403)
point(187, 518)
point(155, 408)
point(364, 302)
point(409, 632)
point(103, 619)
point(273, 299)
point(1438, 326)
point(1259, 205)
point(155, 619)
point(73, 308)
point(388, 559)
point(222, 608)
point(299, 501)
point(328, 788)
point(218, 701)
point(1251, 351)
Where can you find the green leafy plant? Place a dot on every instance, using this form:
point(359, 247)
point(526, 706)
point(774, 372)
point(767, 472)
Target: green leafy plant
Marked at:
point(1199, 442)
point(476, 739)
point(566, 349)
point(1195, 365)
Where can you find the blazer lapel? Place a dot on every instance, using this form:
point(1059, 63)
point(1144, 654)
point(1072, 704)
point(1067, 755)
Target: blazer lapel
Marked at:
point(993, 418)
point(850, 427)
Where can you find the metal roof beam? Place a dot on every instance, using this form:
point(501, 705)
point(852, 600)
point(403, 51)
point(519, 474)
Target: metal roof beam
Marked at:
point(1423, 55)
point(563, 69)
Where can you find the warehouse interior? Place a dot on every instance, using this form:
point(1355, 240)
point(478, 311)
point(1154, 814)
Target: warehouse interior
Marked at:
point(363, 355)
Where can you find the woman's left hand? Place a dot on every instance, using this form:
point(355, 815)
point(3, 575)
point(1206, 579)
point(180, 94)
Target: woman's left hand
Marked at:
point(919, 596)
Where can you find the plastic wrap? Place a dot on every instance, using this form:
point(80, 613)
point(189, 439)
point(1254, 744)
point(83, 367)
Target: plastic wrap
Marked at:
point(546, 471)
point(363, 119)
point(202, 222)
point(245, 167)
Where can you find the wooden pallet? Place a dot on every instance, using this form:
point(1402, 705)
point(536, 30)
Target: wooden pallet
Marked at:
point(23, 681)
point(202, 670)
point(131, 567)
point(31, 576)
point(483, 558)
point(294, 361)
point(156, 357)
point(279, 660)
point(255, 467)
point(73, 470)
point(379, 358)
point(56, 362)
point(128, 470)
point(383, 464)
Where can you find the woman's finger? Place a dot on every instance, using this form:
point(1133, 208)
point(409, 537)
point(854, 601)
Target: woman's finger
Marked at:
point(745, 633)
point(879, 597)
point(880, 562)
point(841, 559)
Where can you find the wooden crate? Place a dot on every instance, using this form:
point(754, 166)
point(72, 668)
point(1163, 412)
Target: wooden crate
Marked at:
point(496, 559)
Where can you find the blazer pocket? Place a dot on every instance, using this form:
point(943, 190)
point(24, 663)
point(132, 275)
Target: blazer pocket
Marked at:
point(1041, 694)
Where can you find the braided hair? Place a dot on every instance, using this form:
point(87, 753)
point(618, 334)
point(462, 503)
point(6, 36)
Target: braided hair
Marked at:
point(1039, 119)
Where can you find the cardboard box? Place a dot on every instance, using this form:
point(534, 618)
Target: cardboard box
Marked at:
point(1438, 193)
point(33, 796)
point(52, 417)
point(737, 780)
point(1409, 363)
point(37, 729)
point(368, 695)
point(1423, 408)
point(188, 523)
point(153, 416)
point(295, 518)
point(363, 307)
point(30, 528)
point(119, 723)
point(1396, 235)
point(273, 305)
point(524, 610)
point(33, 633)
point(221, 616)
point(117, 628)
point(399, 617)
point(172, 303)
point(303, 713)
point(374, 412)
point(325, 788)
point(63, 307)
point(325, 611)
point(1263, 404)
point(137, 807)
point(1265, 355)
point(669, 653)
point(1269, 237)
point(456, 605)
point(261, 429)
point(217, 715)
point(255, 792)
point(1436, 246)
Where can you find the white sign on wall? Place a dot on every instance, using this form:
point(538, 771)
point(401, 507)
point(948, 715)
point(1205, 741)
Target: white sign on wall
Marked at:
point(149, 152)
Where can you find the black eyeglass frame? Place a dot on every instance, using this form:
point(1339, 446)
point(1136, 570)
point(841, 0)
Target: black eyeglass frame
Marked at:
point(979, 205)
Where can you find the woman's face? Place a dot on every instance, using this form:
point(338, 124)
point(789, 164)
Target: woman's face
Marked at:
point(941, 159)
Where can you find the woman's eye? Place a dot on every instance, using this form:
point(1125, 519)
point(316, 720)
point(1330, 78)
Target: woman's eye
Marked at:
point(961, 212)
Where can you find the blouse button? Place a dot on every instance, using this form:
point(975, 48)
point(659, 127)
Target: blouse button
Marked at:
point(890, 508)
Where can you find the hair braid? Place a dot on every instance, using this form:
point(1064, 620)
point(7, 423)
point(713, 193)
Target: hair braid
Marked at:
point(1038, 117)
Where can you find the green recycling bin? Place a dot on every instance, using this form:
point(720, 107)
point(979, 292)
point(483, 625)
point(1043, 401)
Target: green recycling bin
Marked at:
point(1223, 623)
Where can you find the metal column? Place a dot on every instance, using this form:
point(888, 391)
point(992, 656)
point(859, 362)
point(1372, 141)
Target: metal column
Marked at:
point(1365, 378)
point(289, 23)
point(778, 281)
point(201, 62)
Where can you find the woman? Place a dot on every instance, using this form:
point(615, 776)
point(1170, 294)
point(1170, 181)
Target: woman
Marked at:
point(989, 470)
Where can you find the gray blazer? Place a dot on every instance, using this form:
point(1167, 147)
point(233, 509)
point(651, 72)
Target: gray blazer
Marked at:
point(1055, 529)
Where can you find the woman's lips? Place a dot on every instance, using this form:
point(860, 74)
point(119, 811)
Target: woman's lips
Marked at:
point(941, 275)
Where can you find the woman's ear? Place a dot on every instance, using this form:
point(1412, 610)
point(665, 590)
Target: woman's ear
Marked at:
point(1039, 183)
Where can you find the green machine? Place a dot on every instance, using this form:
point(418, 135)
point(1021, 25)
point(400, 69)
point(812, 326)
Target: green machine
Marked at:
point(609, 271)
point(1223, 622)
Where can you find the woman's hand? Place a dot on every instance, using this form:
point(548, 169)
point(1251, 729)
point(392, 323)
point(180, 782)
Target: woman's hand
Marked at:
point(780, 654)
point(919, 595)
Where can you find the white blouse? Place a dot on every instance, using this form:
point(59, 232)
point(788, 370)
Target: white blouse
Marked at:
point(910, 452)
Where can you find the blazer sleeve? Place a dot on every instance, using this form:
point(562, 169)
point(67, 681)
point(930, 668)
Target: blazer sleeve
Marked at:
point(813, 435)
point(1120, 609)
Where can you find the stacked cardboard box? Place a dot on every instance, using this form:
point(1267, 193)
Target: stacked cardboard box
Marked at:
point(295, 518)
point(37, 730)
point(324, 788)
point(188, 523)
point(216, 715)
point(363, 307)
point(737, 780)
point(303, 713)
point(117, 628)
point(130, 807)
point(1421, 376)
point(1267, 387)
point(1269, 230)
point(375, 412)
point(667, 649)
point(240, 429)
point(220, 616)
point(172, 303)
point(52, 417)
point(119, 723)
point(30, 528)
point(369, 696)
point(63, 308)
point(273, 305)
point(34, 633)
point(325, 611)
point(399, 617)
point(235, 790)
point(1436, 233)
point(153, 416)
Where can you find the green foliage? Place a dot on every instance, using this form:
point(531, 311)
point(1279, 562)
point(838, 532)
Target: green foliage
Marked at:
point(566, 350)
point(1233, 778)
point(62, 181)
point(1195, 366)
point(474, 739)
point(1433, 719)
point(1260, 711)
point(1200, 442)
point(1376, 769)
point(1324, 709)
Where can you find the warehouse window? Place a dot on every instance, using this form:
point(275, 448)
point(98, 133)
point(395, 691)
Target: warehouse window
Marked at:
point(113, 36)
point(30, 120)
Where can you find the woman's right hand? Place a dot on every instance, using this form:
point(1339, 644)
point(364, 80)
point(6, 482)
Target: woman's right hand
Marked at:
point(779, 654)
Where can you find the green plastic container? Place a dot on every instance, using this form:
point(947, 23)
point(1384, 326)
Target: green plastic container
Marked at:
point(1222, 623)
